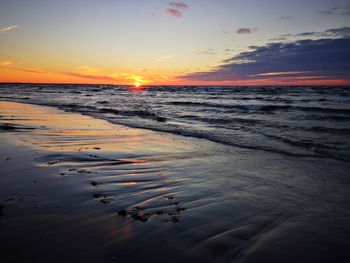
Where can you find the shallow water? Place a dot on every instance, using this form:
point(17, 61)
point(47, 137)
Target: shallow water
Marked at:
point(191, 200)
point(297, 121)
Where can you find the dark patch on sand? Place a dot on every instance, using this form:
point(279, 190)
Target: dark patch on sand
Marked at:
point(52, 162)
point(179, 209)
point(83, 171)
point(93, 183)
point(135, 214)
point(99, 195)
point(11, 127)
point(174, 217)
point(140, 214)
point(107, 200)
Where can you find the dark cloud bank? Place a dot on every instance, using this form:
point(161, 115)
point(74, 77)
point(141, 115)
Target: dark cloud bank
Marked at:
point(319, 58)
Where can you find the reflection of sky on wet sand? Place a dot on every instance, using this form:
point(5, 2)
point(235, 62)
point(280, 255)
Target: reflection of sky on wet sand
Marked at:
point(209, 201)
point(56, 131)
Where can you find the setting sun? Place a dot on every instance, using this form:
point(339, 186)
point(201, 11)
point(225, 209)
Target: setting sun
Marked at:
point(137, 84)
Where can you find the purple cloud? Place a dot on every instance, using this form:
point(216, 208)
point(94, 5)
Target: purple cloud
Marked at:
point(243, 30)
point(173, 12)
point(176, 9)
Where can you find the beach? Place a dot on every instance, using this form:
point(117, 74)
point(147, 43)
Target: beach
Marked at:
point(81, 189)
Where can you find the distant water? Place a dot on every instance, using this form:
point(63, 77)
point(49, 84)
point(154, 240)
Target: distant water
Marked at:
point(297, 121)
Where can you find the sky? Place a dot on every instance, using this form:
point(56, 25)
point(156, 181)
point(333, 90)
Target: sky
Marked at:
point(190, 42)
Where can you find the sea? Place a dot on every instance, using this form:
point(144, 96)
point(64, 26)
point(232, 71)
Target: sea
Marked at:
point(302, 121)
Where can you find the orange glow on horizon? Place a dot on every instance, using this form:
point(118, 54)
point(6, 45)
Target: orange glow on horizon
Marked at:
point(15, 74)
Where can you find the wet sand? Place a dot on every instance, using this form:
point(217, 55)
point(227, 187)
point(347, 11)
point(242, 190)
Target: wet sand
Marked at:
point(79, 189)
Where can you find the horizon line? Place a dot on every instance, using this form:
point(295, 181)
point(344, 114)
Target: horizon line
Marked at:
point(178, 85)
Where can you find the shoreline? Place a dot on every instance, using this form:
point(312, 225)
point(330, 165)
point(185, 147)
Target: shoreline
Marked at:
point(299, 149)
point(128, 190)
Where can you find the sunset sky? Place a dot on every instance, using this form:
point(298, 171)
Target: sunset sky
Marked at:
point(212, 42)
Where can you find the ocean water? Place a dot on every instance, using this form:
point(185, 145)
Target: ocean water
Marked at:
point(295, 121)
point(179, 199)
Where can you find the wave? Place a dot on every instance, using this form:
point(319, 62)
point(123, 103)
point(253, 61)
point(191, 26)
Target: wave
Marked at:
point(261, 107)
point(134, 113)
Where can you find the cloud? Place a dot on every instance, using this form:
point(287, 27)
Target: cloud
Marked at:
point(30, 70)
point(243, 30)
point(338, 10)
point(86, 69)
point(88, 72)
point(11, 65)
point(8, 28)
point(89, 76)
point(176, 9)
point(330, 33)
point(285, 17)
point(280, 73)
point(302, 59)
point(278, 39)
point(163, 58)
point(179, 5)
point(6, 63)
point(173, 12)
point(207, 52)
point(328, 12)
